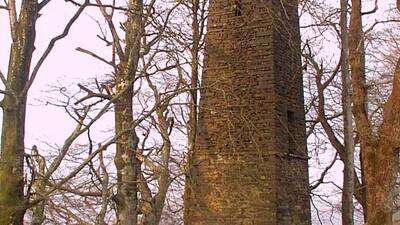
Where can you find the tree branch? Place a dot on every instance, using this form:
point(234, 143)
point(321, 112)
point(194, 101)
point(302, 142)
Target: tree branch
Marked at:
point(94, 55)
point(51, 46)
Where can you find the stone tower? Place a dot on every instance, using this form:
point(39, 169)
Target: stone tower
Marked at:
point(250, 163)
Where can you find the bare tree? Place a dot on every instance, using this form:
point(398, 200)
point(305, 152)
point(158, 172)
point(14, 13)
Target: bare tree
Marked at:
point(348, 130)
point(379, 148)
point(17, 83)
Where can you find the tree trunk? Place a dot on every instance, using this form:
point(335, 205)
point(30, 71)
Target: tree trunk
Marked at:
point(39, 185)
point(348, 160)
point(379, 151)
point(194, 84)
point(192, 126)
point(13, 124)
point(158, 201)
point(357, 64)
point(126, 161)
point(383, 166)
point(125, 158)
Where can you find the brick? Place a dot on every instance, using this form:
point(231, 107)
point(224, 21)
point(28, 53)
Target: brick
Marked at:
point(251, 120)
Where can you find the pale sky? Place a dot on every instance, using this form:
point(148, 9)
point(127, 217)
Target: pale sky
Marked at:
point(63, 66)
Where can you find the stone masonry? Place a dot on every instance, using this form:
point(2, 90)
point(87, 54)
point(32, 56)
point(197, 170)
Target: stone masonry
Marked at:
point(250, 163)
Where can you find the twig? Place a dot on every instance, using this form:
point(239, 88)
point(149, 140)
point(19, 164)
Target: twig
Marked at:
point(94, 55)
point(91, 94)
point(323, 174)
point(3, 79)
point(43, 4)
point(98, 5)
point(374, 10)
point(12, 12)
point(114, 33)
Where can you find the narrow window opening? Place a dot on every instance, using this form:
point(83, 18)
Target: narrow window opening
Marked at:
point(238, 8)
point(291, 132)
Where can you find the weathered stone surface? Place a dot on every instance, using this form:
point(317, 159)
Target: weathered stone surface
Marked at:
point(250, 164)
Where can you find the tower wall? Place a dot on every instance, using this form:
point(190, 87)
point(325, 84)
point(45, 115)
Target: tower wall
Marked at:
point(250, 163)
